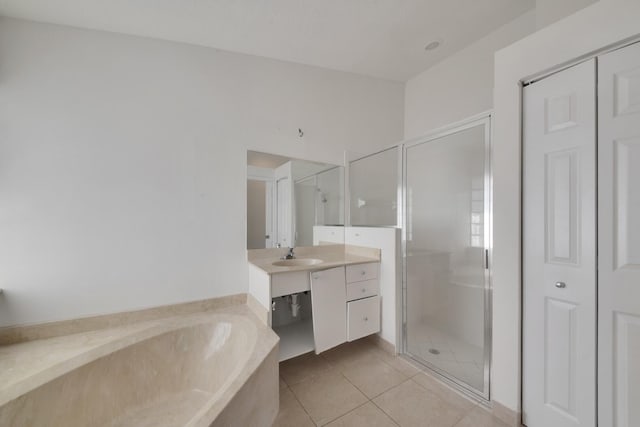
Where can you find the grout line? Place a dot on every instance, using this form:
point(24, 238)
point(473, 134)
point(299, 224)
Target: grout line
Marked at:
point(370, 400)
point(475, 403)
point(339, 367)
point(302, 406)
point(385, 412)
point(343, 415)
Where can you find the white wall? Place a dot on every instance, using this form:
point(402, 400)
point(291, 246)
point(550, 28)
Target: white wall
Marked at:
point(592, 28)
point(550, 11)
point(123, 162)
point(461, 86)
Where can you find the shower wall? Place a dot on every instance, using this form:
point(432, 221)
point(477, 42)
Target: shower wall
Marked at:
point(373, 186)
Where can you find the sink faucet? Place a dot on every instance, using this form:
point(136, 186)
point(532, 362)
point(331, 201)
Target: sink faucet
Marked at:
point(289, 255)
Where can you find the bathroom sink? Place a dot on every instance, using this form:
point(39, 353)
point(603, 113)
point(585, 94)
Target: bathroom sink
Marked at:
point(297, 262)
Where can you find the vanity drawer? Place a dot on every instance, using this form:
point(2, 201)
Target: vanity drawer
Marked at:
point(361, 272)
point(358, 290)
point(289, 283)
point(363, 317)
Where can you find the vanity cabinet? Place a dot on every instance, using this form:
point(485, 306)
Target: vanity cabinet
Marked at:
point(363, 302)
point(345, 303)
point(316, 310)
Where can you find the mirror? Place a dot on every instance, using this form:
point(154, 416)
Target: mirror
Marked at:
point(293, 202)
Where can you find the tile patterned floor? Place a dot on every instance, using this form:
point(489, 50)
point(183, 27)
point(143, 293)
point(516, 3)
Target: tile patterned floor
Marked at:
point(358, 384)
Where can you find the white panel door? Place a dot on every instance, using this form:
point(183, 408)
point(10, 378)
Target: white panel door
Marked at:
point(619, 238)
point(329, 308)
point(559, 250)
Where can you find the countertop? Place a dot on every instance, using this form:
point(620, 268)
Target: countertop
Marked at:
point(330, 255)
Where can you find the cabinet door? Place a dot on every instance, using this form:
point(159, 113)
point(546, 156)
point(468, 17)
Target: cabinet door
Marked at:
point(328, 306)
point(559, 258)
point(363, 318)
point(619, 238)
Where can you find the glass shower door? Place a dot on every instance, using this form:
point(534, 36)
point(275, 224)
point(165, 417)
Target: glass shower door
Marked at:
point(446, 297)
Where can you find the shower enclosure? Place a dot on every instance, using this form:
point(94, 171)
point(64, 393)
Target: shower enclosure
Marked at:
point(446, 236)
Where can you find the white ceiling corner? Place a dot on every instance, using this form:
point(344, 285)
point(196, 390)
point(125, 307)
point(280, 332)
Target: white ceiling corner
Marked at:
point(378, 38)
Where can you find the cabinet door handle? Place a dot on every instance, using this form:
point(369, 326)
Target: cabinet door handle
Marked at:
point(366, 319)
point(364, 290)
point(363, 272)
point(561, 285)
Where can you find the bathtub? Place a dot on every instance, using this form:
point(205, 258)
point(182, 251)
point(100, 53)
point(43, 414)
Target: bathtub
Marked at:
point(214, 369)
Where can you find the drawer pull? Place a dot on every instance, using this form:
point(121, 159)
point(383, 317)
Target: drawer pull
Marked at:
point(363, 272)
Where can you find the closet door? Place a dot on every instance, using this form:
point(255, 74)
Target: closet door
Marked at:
point(559, 250)
point(619, 238)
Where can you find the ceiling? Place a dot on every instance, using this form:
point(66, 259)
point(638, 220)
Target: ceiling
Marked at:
point(265, 160)
point(380, 38)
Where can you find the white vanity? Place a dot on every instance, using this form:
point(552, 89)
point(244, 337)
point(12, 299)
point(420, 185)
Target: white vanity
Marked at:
point(324, 297)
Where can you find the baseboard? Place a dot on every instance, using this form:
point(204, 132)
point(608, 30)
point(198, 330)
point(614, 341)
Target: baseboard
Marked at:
point(508, 416)
point(383, 344)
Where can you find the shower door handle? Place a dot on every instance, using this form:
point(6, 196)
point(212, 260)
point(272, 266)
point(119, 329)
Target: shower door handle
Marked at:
point(486, 259)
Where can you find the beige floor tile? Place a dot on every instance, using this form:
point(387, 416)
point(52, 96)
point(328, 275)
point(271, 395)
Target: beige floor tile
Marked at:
point(444, 392)
point(367, 415)
point(291, 413)
point(398, 363)
point(372, 376)
point(350, 353)
point(412, 405)
point(328, 396)
point(480, 417)
point(302, 367)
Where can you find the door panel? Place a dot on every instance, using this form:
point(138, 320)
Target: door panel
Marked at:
point(329, 308)
point(559, 247)
point(627, 202)
point(561, 197)
point(560, 356)
point(619, 238)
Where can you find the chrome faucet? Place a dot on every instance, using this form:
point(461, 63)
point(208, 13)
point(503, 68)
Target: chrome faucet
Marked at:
point(289, 255)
